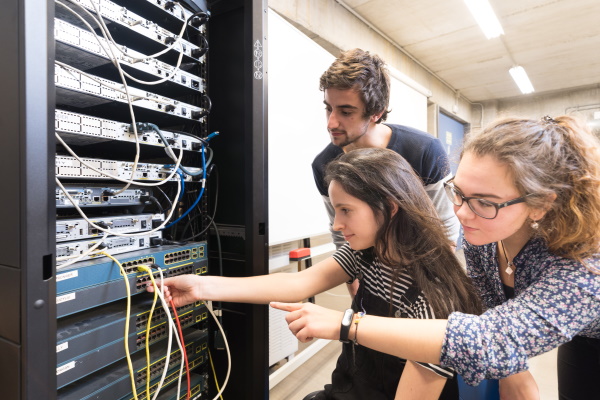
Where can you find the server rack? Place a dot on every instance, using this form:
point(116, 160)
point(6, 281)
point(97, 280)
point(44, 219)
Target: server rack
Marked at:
point(242, 212)
point(27, 211)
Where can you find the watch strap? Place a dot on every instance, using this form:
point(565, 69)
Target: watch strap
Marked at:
point(346, 324)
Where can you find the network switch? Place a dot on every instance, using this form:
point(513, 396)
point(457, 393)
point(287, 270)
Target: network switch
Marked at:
point(98, 271)
point(85, 129)
point(70, 167)
point(79, 228)
point(198, 385)
point(89, 297)
point(92, 283)
point(83, 91)
point(101, 195)
point(114, 382)
point(79, 333)
point(88, 52)
point(91, 340)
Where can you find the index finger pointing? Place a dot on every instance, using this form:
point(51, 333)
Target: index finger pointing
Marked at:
point(286, 306)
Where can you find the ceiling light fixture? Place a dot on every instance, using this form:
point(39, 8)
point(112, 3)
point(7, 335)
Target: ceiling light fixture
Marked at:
point(521, 79)
point(485, 17)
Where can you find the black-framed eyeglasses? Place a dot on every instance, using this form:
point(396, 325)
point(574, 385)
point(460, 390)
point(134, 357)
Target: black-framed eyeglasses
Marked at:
point(482, 207)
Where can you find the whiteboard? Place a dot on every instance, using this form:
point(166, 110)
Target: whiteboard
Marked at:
point(408, 106)
point(298, 129)
point(297, 132)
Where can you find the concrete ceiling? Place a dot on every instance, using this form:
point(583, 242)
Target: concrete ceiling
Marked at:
point(556, 41)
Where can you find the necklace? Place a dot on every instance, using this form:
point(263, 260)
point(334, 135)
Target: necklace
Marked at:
point(509, 264)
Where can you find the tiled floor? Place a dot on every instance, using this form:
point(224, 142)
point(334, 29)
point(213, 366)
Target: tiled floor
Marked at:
point(311, 376)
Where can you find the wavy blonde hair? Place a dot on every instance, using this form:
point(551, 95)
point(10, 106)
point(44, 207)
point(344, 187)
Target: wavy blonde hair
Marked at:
point(552, 156)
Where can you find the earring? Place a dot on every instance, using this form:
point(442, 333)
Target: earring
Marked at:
point(535, 225)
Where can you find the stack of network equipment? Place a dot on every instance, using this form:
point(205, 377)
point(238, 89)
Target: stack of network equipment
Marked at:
point(133, 161)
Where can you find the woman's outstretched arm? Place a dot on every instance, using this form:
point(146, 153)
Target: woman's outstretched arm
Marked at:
point(185, 289)
point(412, 339)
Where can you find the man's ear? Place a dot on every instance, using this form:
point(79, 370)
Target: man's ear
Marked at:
point(376, 117)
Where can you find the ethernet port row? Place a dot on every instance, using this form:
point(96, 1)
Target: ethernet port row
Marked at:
point(177, 256)
point(180, 271)
point(131, 266)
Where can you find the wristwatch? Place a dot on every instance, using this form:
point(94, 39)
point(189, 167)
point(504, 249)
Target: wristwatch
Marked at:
point(346, 323)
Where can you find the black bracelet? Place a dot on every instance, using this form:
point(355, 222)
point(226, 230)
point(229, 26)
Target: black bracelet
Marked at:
point(346, 323)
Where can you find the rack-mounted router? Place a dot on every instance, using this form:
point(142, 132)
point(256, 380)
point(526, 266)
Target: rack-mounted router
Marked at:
point(88, 52)
point(78, 228)
point(82, 129)
point(80, 91)
point(70, 167)
point(129, 28)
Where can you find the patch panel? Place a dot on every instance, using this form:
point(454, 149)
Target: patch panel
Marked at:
point(113, 244)
point(82, 91)
point(79, 228)
point(86, 129)
point(113, 382)
point(96, 195)
point(90, 340)
point(87, 52)
point(125, 26)
point(70, 167)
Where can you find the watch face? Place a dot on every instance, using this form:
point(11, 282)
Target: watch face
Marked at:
point(347, 320)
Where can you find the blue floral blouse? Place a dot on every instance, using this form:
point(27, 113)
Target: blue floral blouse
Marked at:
point(555, 299)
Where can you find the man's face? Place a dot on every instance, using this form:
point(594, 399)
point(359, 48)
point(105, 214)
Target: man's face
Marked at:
point(345, 116)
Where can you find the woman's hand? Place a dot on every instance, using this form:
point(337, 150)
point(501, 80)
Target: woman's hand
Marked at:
point(182, 289)
point(519, 386)
point(308, 321)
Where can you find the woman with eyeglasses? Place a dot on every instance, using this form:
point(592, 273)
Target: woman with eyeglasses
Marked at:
point(527, 194)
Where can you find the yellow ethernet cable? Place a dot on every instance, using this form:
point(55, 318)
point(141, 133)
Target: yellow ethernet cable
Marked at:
point(126, 341)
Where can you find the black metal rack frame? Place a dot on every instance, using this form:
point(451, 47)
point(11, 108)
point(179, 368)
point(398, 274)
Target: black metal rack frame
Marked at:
point(238, 87)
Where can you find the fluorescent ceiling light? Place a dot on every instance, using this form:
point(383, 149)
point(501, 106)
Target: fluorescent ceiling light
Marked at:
point(521, 79)
point(485, 17)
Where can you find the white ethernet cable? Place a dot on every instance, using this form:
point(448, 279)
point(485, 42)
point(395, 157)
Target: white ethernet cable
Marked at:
point(133, 123)
point(77, 258)
point(129, 181)
point(172, 329)
point(110, 52)
point(109, 37)
point(109, 231)
point(209, 306)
